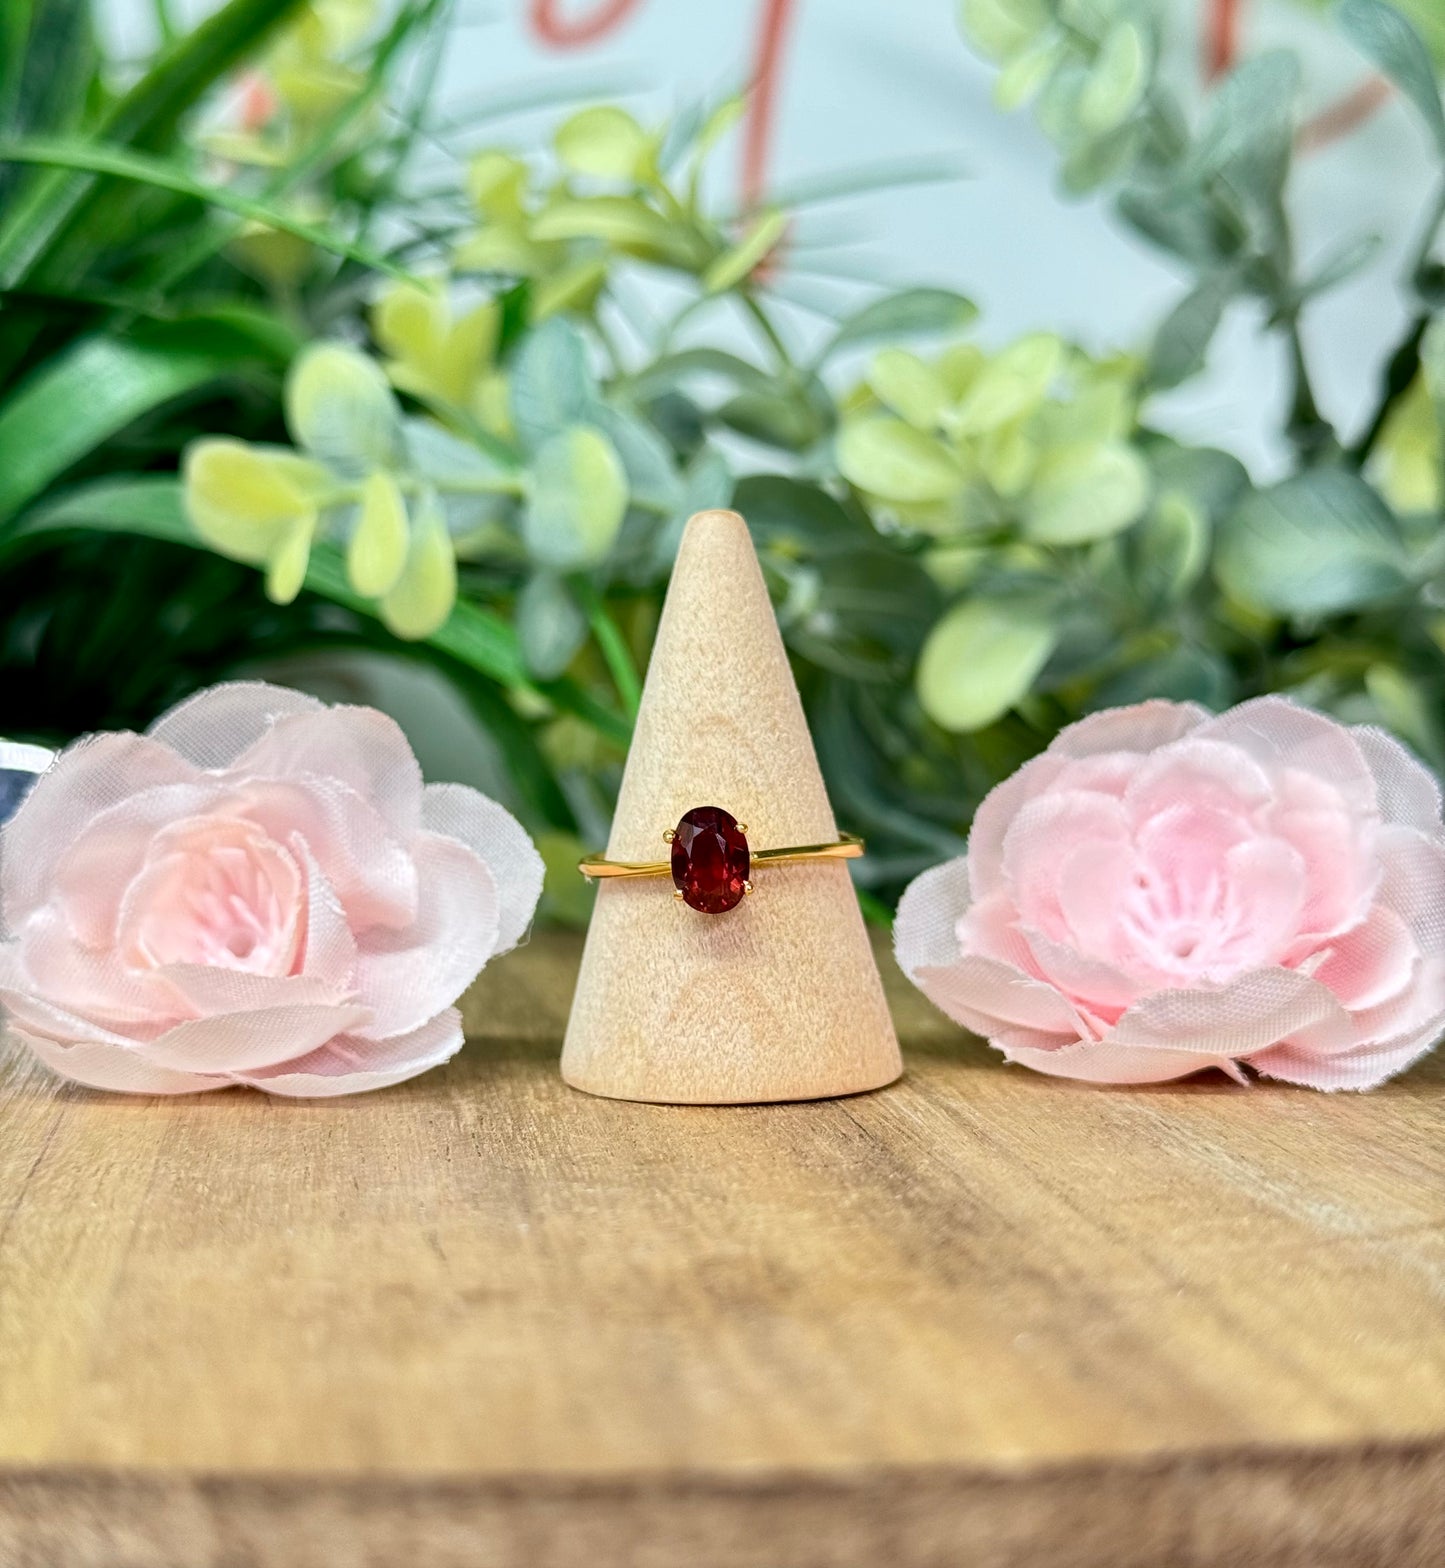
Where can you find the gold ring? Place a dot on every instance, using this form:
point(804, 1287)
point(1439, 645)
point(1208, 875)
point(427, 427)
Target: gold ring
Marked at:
point(711, 860)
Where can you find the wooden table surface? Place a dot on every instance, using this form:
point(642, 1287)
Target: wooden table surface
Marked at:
point(976, 1319)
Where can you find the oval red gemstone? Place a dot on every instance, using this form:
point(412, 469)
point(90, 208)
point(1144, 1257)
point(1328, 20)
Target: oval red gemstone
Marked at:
point(710, 859)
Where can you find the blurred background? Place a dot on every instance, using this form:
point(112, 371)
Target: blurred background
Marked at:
point(1060, 352)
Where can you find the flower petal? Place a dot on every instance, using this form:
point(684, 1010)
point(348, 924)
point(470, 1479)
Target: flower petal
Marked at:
point(408, 976)
point(115, 1068)
point(1409, 793)
point(1036, 844)
point(359, 746)
point(90, 876)
point(1102, 1061)
point(215, 726)
point(1278, 733)
point(237, 1042)
point(1250, 1013)
point(85, 780)
point(1372, 964)
point(1201, 774)
point(1143, 727)
point(371, 872)
point(492, 832)
point(925, 929)
point(349, 1065)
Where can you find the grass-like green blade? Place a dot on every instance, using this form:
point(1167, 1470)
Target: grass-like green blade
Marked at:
point(83, 397)
point(144, 117)
point(98, 158)
point(152, 507)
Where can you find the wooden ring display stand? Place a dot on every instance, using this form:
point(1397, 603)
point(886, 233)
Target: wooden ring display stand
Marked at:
point(780, 998)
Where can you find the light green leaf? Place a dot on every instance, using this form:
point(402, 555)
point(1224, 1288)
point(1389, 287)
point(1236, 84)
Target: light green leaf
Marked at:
point(734, 265)
point(1024, 75)
point(551, 625)
point(340, 408)
point(620, 221)
point(1172, 547)
point(1183, 339)
point(909, 387)
point(246, 501)
point(377, 550)
point(1383, 35)
point(604, 141)
point(1248, 131)
point(286, 570)
point(1116, 82)
point(1086, 494)
point(652, 478)
point(888, 458)
point(908, 313)
point(579, 496)
point(979, 660)
point(1001, 28)
point(1214, 482)
point(1315, 545)
point(421, 600)
point(1012, 384)
point(551, 384)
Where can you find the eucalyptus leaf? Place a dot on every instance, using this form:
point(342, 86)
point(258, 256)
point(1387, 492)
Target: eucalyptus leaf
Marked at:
point(1384, 35)
point(1087, 494)
point(652, 477)
point(1214, 482)
point(1317, 544)
point(889, 458)
point(1182, 341)
point(1248, 130)
point(551, 383)
point(621, 221)
point(799, 520)
point(579, 496)
point(1171, 548)
point(551, 625)
point(911, 388)
point(734, 265)
point(1117, 81)
point(604, 141)
point(979, 660)
point(420, 601)
point(341, 409)
point(908, 313)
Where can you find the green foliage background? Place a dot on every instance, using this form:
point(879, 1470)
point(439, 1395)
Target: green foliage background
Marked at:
point(263, 392)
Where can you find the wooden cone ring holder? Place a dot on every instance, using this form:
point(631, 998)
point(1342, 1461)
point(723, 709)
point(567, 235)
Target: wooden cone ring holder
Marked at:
point(779, 998)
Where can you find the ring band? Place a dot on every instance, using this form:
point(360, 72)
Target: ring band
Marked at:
point(711, 859)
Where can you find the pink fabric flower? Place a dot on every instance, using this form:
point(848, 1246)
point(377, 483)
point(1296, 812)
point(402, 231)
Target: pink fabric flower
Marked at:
point(1163, 890)
point(259, 890)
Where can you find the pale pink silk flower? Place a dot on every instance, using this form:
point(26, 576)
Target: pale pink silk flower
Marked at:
point(1164, 890)
point(260, 890)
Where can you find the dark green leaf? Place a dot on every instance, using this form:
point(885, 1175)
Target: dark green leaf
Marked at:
point(551, 626)
point(82, 397)
point(1181, 343)
point(551, 383)
point(153, 508)
point(1315, 545)
point(99, 158)
point(904, 314)
point(1382, 34)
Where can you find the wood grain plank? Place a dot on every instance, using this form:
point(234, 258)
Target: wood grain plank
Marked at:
point(980, 1316)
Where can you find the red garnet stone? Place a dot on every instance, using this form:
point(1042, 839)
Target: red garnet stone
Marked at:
point(710, 860)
